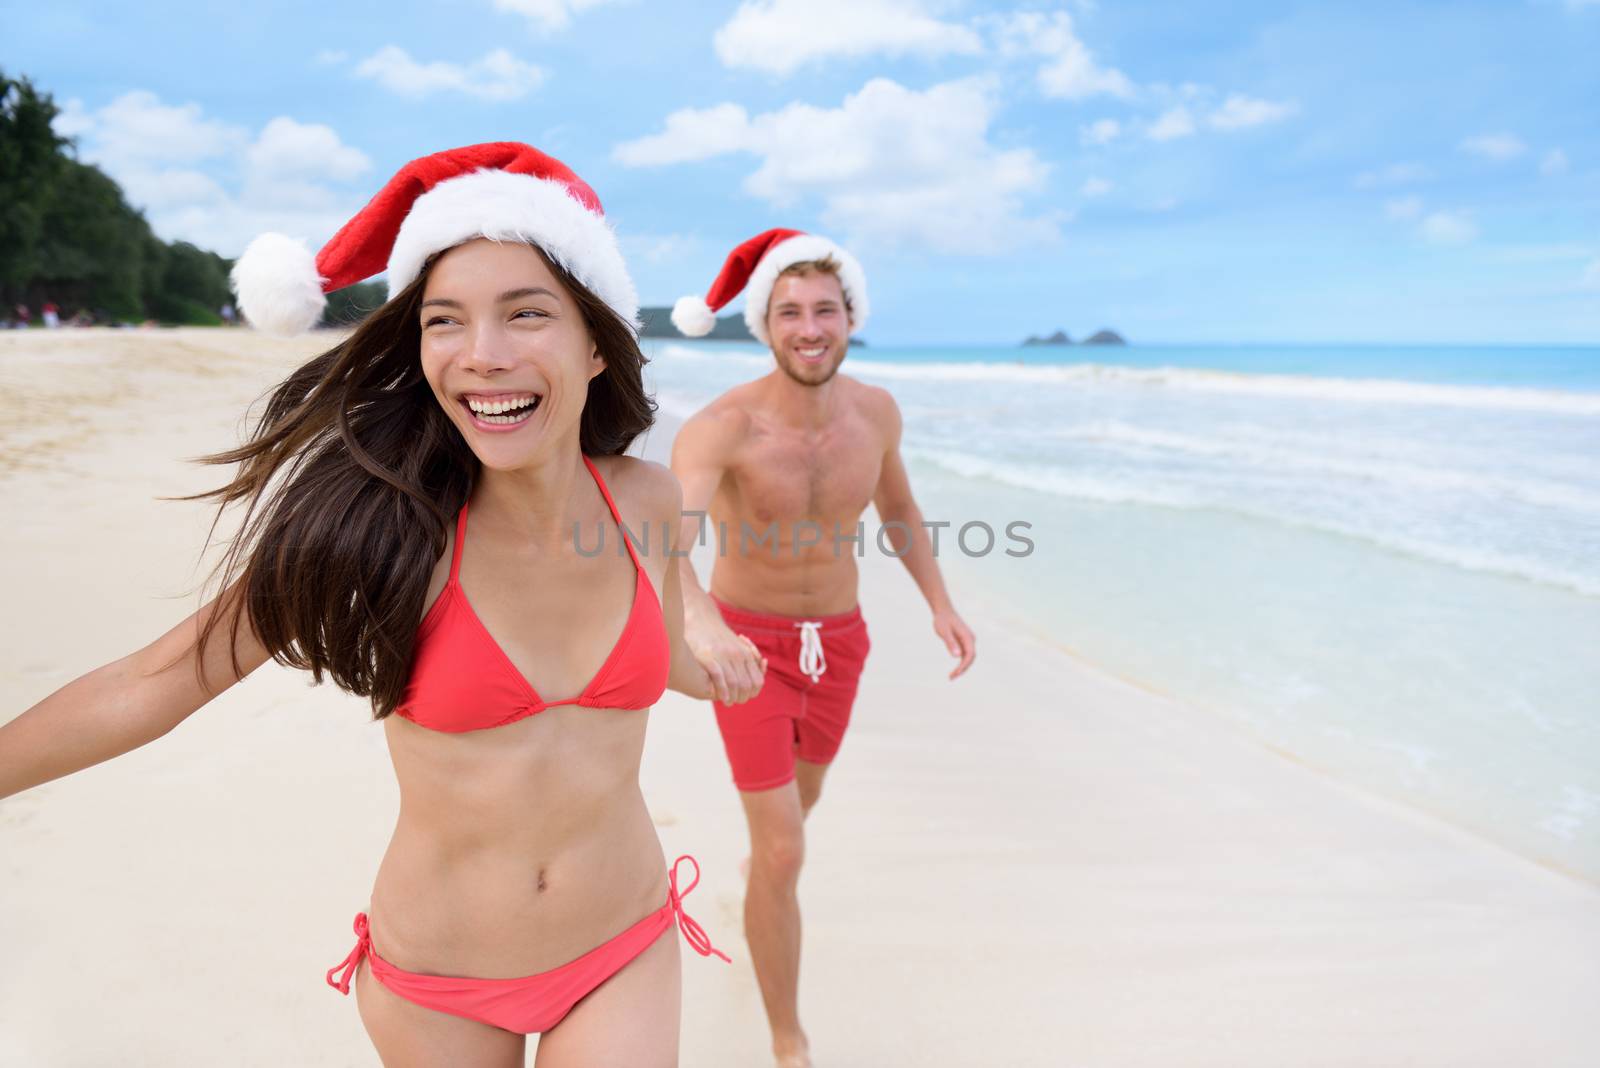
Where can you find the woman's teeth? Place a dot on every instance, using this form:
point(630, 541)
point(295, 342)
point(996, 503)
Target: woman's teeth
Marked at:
point(504, 410)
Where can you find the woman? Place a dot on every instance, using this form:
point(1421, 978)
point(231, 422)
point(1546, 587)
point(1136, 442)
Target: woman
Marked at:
point(524, 889)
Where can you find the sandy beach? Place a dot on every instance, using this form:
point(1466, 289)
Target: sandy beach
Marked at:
point(1038, 865)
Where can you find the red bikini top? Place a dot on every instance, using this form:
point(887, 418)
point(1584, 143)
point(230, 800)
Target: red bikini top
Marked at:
point(461, 680)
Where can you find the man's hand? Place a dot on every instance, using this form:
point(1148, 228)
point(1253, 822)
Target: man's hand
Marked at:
point(736, 667)
point(957, 638)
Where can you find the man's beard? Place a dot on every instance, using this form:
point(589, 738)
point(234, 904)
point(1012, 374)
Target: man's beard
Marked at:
point(795, 369)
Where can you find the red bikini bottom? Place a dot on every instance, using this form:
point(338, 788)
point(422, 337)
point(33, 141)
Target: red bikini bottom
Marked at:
point(536, 1002)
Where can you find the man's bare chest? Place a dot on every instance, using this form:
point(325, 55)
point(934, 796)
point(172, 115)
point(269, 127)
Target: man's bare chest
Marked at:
point(787, 475)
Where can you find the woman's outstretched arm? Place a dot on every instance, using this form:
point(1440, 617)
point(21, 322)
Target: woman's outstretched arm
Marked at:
point(126, 703)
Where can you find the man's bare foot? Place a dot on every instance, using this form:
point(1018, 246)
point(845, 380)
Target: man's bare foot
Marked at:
point(792, 1052)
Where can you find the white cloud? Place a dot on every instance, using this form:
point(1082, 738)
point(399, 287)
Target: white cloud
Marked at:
point(1173, 123)
point(657, 248)
point(691, 134)
point(1438, 227)
point(72, 119)
point(1555, 160)
point(1403, 208)
point(1394, 174)
point(1095, 187)
point(1240, 111)
point(1548, 253)
point(781, 36)
point(890, 164)
point(1449, 228)
point(497, 75)
point(286, 149)
point(1070, 70)
point(1100, 132)
point(285, 178)
point(1591, 276)
point(137, 129)
point(1495, 146)
point(163, 192)
point(548, 15)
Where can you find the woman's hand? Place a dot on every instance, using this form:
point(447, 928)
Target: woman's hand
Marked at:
point(732, 662)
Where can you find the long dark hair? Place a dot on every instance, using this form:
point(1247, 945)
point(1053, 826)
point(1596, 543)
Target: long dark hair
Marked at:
point(351, 480)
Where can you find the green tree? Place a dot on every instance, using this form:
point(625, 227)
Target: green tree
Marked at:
point(67, 234)
point(350, 305)
point(96, 252)
point(30, 161)
point(191, 287)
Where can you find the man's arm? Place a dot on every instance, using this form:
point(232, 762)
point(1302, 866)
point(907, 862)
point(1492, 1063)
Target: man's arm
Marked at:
point(685, 675)
point(902, 522)
point(700, 457)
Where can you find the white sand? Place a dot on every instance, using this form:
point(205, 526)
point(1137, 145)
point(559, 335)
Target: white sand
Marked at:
point(1037, 865)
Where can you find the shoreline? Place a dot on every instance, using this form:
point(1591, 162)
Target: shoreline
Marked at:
point(1033, 631)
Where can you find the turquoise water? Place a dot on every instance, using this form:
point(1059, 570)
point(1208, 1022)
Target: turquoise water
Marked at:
point(1550, 366)
point(1385, 561)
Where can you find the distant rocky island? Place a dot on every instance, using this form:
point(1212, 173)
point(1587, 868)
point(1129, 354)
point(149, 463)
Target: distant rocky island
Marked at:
point(657, 322)
point(1103, 337)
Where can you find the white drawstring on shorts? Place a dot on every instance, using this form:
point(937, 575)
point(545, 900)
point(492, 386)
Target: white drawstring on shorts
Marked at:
point(812, 662)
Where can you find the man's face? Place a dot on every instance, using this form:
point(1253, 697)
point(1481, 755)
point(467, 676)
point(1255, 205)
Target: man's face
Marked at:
point(808, 326)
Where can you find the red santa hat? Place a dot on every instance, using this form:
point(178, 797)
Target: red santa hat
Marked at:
point(754, 268)
point(502, 190)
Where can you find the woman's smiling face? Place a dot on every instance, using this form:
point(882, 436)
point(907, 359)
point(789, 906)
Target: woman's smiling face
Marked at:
point(506, 350)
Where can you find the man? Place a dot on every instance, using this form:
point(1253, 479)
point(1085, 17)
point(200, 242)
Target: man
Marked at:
point(785, 466)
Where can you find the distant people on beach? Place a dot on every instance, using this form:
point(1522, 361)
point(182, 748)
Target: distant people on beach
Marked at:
point(51, 315)
point(227, 314)
point(24, 317)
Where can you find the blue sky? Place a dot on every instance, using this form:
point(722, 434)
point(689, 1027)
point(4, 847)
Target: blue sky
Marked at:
point(1178, 171)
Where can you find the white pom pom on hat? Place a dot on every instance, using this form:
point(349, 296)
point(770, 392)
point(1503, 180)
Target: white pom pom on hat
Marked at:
point(279, 288)
point(503, 190)
point(693, 317)
point(753, 268)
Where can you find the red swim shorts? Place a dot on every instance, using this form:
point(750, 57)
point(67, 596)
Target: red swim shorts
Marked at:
point(813, 668)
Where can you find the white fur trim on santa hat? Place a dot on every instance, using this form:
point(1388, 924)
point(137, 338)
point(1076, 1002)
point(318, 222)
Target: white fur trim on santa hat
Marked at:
point(505, 206)
point(758, 291)
point(278, 286)
point(693, 317)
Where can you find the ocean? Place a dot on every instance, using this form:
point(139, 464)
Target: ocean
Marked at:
point(1383, 561)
